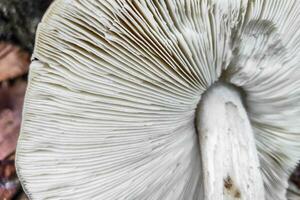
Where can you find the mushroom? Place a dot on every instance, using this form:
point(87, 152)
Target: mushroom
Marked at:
point(163, 99)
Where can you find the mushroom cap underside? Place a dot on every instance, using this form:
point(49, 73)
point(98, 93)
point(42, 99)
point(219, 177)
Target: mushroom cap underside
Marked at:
point(114, 85)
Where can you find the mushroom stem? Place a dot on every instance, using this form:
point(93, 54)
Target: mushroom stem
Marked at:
point(230, 161)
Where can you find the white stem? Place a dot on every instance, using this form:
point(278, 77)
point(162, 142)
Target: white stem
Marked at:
point(229, 156)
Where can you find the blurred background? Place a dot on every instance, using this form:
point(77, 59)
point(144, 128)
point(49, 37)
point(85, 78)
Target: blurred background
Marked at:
point(18, 22)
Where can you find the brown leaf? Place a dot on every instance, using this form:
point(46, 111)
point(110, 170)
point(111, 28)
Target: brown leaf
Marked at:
point(11, 102)
point(9, 184)
point(14, 62)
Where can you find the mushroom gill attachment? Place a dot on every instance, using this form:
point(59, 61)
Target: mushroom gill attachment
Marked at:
point(114, 87)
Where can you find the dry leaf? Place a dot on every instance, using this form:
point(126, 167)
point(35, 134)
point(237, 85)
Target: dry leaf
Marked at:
point(13, 61)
